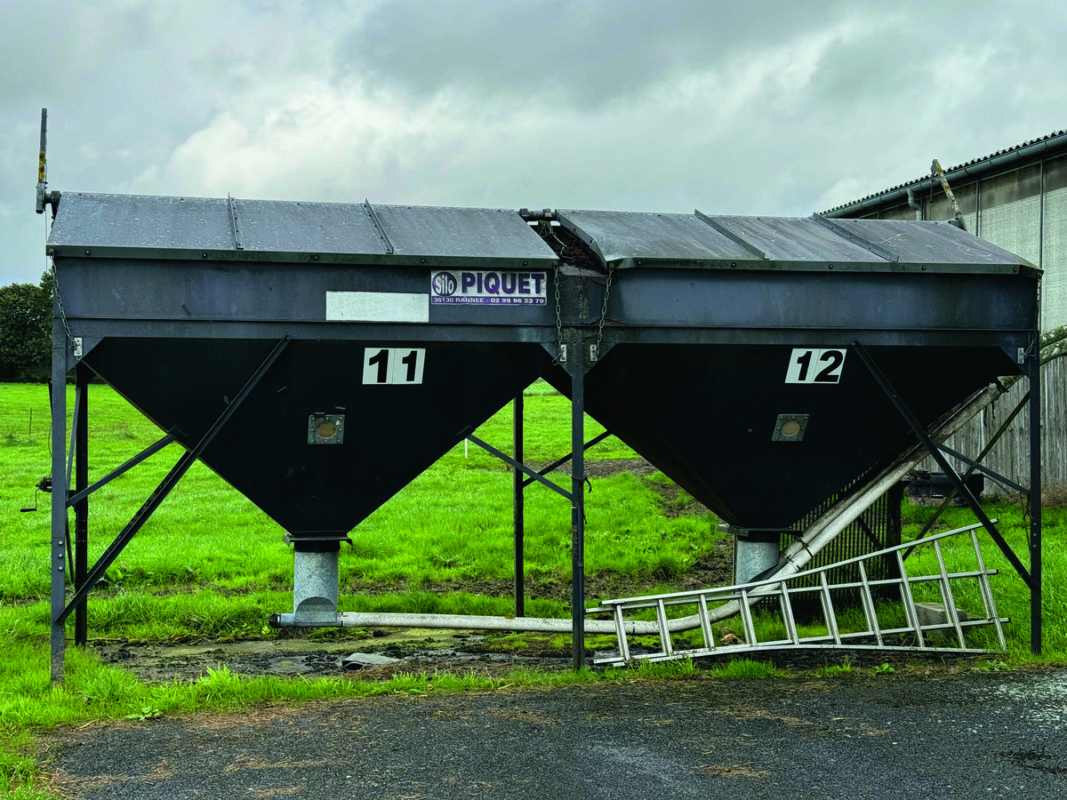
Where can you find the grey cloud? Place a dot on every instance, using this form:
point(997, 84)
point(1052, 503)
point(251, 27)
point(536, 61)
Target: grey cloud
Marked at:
point(756, 107)
point(582, 53)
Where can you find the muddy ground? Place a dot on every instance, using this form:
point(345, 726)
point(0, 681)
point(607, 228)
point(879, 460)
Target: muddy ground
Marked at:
point(381, 653)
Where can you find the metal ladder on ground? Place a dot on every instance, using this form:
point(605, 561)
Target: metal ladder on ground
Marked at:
point(929, 626)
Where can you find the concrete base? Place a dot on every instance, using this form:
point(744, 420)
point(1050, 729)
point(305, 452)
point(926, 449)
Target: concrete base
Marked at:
point(937, 614)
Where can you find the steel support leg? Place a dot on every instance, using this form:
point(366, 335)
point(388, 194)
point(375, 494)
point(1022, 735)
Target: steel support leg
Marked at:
point(57, 562)
point(519, 508)
point(1034, 375)
point(81, 508)
point(578, 512)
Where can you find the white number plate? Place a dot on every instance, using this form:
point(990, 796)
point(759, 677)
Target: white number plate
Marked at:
point(815, 366)
point(392, 365)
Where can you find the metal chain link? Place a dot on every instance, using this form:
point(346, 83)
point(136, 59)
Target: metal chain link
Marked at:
point(603, 314)
point(55, 288)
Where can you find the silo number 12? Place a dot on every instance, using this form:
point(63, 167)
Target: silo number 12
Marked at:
point(815, 366)
point(393, 365)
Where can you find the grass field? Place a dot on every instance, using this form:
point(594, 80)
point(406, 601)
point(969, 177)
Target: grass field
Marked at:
point(211, 566)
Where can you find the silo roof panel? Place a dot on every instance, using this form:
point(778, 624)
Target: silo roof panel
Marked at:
point(132, 226)
point(796, 239)
point(627, 239)
point(931, 242)
point(465, 233)
point(93, 221)
point(278, 227)
point(622, 236)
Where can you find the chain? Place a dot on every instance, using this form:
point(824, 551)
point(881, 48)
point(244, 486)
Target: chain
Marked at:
point(55, 288)
point(603, 314)
point(59, 304)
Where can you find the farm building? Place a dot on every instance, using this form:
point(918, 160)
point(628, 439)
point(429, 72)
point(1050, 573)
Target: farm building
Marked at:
point(1017, 199)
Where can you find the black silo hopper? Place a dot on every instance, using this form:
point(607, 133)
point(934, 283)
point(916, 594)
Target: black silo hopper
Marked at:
point(360, 379)
point(734, 351)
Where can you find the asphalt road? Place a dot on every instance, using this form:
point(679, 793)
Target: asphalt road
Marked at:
point(971, 735)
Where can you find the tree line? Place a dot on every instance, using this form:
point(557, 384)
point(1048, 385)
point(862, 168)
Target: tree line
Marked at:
point(26, 331)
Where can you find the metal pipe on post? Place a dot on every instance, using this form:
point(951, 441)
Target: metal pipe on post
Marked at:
point(519, 508)
point(57, 634)
point(1034, 375)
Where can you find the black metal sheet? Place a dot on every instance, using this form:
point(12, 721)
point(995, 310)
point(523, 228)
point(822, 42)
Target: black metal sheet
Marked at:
point(856, 301)
point(392, 432)
point(207, 291)
point(706, 417)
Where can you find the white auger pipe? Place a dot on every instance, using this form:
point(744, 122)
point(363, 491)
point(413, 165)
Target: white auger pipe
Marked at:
point(355, 619)
point(796, 557)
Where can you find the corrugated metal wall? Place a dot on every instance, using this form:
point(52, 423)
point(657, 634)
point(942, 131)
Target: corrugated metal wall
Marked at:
point(1023, 210)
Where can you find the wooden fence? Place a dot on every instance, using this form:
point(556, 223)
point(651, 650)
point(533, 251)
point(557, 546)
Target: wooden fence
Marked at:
point(1010, 456)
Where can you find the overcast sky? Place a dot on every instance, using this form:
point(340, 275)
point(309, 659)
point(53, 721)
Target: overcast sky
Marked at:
point(782, 107)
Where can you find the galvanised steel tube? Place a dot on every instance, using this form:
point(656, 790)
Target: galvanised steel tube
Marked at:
point(315, 577)
point(352, 619)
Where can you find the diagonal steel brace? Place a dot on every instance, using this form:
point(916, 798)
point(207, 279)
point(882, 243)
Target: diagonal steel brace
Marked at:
point(521, 467)
point(561, 461)
point(932, 447)
point(970, 470)
point(160, 494)
point(145, 454)
point(974, 465)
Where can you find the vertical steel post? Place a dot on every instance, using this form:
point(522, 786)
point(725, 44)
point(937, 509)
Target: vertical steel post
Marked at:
point(519, 521)
point(81, 508)
point(57, 561)
point(578, 508)
point(1034, 370)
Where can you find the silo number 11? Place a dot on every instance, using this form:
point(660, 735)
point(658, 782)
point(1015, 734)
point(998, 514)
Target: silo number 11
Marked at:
point(815, 366)
point(392, 365)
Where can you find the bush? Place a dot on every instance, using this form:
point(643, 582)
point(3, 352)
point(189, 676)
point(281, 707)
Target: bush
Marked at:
point(26, 331)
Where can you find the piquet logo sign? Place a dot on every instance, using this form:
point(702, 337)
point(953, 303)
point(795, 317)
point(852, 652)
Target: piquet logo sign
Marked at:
point(460, 287)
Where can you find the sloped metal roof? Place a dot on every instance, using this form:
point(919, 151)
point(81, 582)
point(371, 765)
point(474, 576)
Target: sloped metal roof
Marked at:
point(1007, 158)
point(227, 229)
point(627, 240)
point(137, 226)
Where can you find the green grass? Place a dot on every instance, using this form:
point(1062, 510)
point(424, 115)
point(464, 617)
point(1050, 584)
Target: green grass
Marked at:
point(210, 565)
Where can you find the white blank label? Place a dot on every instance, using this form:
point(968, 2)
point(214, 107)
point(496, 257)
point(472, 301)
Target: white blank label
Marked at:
point(377, 307)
